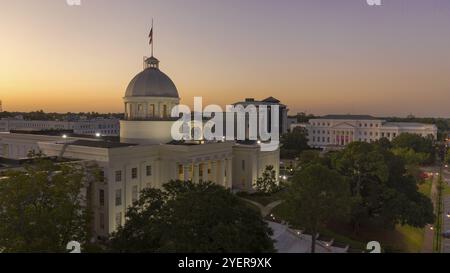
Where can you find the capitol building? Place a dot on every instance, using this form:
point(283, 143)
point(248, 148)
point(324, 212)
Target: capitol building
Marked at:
point(146, 156)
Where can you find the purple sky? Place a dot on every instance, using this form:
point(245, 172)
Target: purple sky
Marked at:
point(319, 56)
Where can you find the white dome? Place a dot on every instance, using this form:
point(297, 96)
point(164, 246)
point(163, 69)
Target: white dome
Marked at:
point(152, 83)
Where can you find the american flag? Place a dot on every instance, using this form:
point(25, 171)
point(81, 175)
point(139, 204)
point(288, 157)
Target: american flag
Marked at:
point(151, 36)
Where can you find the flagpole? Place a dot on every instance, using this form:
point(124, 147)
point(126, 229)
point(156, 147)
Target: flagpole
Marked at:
point(153, 33)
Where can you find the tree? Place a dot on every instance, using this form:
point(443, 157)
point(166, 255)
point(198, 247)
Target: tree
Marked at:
point(411, 157)
point(45, 206)
point(316, 196)
point(382, 189)
point(267, 183)
point(192, 217)
point(447, 156)
point(417, 143)
point(293, 143)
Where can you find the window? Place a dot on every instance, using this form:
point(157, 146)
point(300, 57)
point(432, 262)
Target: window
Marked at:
point(101, 219)
point(243, 165)
point(118, 176)
point(165, 111)
point(149, 170)
point(118, 197)
point(102, 176)
point(134, 194)
point(118, 219)
point(134, 173)
point(101, 198)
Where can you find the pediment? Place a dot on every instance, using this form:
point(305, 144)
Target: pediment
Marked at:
point(344, 125)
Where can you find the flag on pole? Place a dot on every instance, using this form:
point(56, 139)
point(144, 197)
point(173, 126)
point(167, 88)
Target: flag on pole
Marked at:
point(150, 36)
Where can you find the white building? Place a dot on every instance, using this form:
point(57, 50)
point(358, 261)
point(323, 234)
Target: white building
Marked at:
point(340, 130)
point(146, 156)
point(103, 126)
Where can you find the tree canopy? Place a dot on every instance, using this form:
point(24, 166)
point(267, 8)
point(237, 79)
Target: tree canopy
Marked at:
point(192, 217)
point(293, 143)
point(45, 206)
point(423, 147)
point(315, 196)
point(267, 182)
point(382, 189)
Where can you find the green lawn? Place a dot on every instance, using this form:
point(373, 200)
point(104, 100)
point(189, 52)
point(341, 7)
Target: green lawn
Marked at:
point(412, 238)
point(425, 187)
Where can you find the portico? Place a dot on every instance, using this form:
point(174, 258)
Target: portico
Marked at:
point(216, 169)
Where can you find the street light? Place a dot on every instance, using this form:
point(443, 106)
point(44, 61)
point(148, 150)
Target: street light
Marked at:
point(64, 136)
point(98, 135)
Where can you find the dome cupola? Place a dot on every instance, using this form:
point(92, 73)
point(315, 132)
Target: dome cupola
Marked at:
point(151, 82)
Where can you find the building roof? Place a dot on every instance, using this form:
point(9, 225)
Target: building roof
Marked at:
point(100, 144)
point(349, 117)
point(271, 99)
point(407, 124)
point(151, 83)
point(252, 101)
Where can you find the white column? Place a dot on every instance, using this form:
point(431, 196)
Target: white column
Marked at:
point(186, 169)
point(173, 171)
point(205, 171)
point(214, 172)
point(221, 172)
point(196, 173)
point(229, 171)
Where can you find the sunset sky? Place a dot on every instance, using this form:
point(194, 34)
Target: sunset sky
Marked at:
point(317, 56)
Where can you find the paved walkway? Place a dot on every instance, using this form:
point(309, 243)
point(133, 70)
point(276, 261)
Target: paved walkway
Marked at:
point(265, 210)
